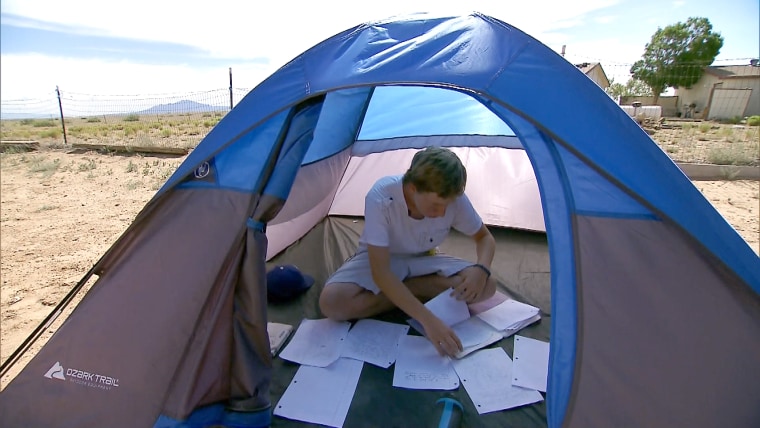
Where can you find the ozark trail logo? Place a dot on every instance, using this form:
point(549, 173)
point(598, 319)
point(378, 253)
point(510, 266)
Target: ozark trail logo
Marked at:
point(55, 372)
point(81, 377)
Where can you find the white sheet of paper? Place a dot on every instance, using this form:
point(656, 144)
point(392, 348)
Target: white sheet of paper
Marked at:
point(418, 366)
point(374, 341)
point(519, 326)
point(474, 331)
point(487, 378)
point(507, 314)
point(316, 343)
point(321, 395)
point(531, 363)
point(448, 309)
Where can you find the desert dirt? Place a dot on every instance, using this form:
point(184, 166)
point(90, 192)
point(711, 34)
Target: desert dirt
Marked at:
point(61, 210)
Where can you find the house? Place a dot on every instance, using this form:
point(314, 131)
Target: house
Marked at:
point(595, 72)
point(723, 92)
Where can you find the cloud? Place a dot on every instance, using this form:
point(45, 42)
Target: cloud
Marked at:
point(254, 38)
point(42, 74)
point(278, 30)
point(28, 22)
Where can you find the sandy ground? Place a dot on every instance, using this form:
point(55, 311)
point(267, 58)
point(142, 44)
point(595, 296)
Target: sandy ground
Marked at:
point(61, 211)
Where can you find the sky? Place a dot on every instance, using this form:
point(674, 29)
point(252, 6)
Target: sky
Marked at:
point(141, 47)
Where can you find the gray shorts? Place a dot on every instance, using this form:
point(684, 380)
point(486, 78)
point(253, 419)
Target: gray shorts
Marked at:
point(356, 270)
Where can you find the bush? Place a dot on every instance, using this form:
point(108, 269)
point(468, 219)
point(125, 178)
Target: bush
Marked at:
point(50, 133)
point(132, 117)
point(38, 123)
point(753, 121)
point(732, 120)
point(722, 156)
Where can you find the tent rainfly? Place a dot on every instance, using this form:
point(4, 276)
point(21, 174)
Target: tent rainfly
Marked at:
point(654, 298)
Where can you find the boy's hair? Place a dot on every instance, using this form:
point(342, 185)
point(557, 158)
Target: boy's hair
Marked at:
point(437, 170)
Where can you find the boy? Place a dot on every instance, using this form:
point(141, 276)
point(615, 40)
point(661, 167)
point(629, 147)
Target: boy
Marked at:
point(396, 265)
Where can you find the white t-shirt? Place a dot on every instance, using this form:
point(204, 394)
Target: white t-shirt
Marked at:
point(387, 222)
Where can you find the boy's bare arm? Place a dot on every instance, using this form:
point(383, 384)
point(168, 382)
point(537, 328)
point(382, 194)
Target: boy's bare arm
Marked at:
point(473, 285)
point(442, 337)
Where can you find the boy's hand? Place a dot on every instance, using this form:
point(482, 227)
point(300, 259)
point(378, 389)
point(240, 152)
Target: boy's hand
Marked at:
point(443, 338)
point(470, 289)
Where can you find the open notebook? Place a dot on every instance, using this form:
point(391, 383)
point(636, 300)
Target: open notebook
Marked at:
point(481, 324)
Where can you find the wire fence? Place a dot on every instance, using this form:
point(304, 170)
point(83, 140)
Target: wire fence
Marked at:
point(715, 121)
point(163, 120)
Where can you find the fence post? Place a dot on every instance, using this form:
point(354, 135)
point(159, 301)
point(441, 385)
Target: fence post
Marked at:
point(60, 108)
point(230, 88)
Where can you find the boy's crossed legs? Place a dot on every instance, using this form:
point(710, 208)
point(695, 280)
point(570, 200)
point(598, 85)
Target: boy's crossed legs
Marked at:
point(343, 301)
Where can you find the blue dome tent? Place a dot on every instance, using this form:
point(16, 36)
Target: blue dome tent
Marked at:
point(653, 317)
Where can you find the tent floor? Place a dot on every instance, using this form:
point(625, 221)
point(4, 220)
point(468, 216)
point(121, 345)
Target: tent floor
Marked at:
point(521, 265)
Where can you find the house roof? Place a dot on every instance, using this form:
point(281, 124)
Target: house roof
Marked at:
point(734, 71)
point(588, 67)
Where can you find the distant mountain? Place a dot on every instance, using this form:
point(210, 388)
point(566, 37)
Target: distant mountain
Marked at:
point(184, 106)
point(17, 116)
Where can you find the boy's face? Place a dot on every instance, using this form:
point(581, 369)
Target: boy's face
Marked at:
point(430, 204)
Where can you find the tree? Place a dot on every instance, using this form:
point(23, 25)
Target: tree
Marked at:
point(632, 88)
point(677, 55)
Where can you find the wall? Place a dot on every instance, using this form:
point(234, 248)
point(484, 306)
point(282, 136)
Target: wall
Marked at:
point(669, 104)
point(699, 94)
point(597, 75)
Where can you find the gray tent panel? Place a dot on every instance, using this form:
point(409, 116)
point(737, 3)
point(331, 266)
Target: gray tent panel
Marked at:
point(168, 273)
point(682, 351)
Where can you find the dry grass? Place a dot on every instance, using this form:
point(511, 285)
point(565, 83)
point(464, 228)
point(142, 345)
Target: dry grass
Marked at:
point(141, 172)
point(684, 141)
point(709, 142)
point(176, 130)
